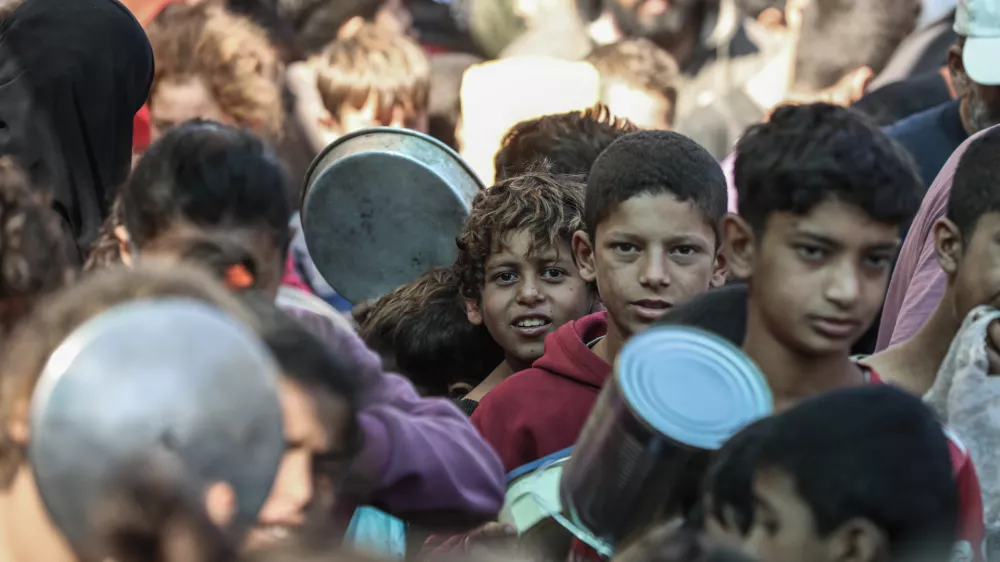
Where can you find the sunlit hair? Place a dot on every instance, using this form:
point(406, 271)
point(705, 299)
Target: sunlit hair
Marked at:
point(640, 64)
point(34, 258)
point(230, 53)
point(548, 206)
point(569, 143)
point(25, 354)
point(375, 63)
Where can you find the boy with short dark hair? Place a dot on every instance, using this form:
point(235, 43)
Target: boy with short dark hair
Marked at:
point(823, 194)
point(568, 142)
point(860, 474)
point(965, 241)
point(516, 271)
point(648, 242)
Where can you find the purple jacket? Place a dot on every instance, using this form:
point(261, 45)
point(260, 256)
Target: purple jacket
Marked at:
point(423, 453)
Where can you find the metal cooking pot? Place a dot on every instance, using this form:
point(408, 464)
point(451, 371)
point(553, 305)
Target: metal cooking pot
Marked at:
point(173, 375)
point(676, 394)
point(382, 206)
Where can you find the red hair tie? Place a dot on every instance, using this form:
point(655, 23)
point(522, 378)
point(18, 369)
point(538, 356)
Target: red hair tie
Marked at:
point(238, 277)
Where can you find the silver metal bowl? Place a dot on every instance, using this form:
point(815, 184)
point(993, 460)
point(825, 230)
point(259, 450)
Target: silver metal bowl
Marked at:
point(174, 376)
point(382, 206)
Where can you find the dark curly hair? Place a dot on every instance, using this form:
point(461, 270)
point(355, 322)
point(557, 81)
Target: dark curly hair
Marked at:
point(421, 329)
point(570, 142)
point(548, 206)
point(34, 246)
point(808, 154)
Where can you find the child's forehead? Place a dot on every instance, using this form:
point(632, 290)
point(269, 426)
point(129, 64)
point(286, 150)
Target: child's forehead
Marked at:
point(526, 243)
point(657, 214)
point(836, 221)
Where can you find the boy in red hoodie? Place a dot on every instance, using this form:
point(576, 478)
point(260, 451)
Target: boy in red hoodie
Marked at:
point(823, 194)
point(649, 242)
point(516, 270)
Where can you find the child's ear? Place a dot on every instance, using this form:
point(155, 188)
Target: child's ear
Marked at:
point(948, 245)
point(858, 540)
point(738, 245)
point(583, 251)
point(720, 270)
point(473, 312)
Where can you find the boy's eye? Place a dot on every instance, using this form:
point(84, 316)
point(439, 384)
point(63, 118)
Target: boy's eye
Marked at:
point(685, 250)
point(811, 253)
point(553, 274)
point(878, 261)
point(624, 248)
point(505, 277)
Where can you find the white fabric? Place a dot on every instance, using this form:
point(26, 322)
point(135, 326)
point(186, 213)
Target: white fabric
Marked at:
point(967, 401)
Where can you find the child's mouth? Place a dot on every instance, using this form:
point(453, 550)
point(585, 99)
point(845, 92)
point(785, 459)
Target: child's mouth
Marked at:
point(651, 309)
point(531, 325)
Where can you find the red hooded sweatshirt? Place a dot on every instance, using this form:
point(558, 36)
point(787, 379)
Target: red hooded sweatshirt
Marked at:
point(542, 410)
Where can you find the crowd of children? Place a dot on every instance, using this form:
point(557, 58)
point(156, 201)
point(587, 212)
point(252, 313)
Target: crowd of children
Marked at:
point(151, 156)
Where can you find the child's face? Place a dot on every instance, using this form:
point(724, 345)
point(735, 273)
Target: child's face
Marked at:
point(974, 265)
point(650, 254)
point(817, 280)
point(725, 530)
point(526, 298)
point(647, 109)
point(783, 529)
point(176, 101)
point(316, 427)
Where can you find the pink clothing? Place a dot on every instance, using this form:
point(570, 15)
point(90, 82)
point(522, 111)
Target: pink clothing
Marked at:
point(292, 278)
point(918, 282)
point(728, 166)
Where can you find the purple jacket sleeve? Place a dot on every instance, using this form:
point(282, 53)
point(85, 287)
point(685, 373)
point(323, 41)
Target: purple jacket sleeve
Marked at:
point(425, 453)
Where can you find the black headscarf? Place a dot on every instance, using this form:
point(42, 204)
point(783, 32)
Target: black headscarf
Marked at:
point(73, 73)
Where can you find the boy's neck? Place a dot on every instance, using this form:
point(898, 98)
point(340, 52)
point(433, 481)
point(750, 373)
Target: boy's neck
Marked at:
point(793, 376)
point(914, 364)
point(611, 344)
point(498, 375)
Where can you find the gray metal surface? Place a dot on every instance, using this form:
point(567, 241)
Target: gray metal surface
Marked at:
point(382, 206)
point(173, 375)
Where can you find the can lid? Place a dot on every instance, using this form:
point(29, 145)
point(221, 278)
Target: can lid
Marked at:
point(691, 386)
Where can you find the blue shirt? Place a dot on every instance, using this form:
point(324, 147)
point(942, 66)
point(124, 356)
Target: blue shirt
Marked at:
point(931, 137)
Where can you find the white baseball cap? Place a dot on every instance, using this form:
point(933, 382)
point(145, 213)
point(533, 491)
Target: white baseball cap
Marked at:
point(979, 22)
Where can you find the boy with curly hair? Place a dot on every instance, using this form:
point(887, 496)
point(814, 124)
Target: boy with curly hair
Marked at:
point(516, 268)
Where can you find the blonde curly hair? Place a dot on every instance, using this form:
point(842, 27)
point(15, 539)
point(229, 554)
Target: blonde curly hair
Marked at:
point(230, 53)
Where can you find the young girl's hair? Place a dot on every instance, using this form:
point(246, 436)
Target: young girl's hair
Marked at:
point(225, 258)
point(34, 246)
point(230, 54)
point(25, 354)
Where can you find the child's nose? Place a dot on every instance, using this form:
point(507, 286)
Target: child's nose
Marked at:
point(654, 273)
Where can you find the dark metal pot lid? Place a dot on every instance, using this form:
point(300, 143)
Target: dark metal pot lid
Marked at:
point(382, 206)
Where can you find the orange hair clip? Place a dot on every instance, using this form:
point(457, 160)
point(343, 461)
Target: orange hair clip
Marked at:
point(238, 277)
